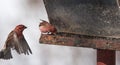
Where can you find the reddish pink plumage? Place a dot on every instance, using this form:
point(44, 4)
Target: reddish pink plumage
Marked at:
point(46, 27)
point(15, 41)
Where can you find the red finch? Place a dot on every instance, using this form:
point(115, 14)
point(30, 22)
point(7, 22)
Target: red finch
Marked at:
point(46, 27)
point(15, 41)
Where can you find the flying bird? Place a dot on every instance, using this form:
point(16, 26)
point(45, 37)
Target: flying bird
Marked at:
point(15, 41)
point(46, 27)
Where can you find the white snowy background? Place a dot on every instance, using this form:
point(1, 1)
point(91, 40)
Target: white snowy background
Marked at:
point(28, 12)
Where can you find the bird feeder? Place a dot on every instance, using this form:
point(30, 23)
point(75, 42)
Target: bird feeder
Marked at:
point(86, 23)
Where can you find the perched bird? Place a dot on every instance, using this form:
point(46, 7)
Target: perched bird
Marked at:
point(46, 27)
point(15, 41)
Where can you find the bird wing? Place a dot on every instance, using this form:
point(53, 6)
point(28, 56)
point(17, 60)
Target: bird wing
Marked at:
point(25, 46)
point(5, 52)
point(20, 45)
point(10, 40)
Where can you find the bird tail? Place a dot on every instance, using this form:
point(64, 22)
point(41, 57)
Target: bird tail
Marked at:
point(5, 54)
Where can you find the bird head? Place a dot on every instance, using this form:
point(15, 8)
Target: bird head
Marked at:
point(20, 27)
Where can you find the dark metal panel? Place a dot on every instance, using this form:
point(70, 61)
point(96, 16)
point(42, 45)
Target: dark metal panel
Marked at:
point(69, 39)
point(89, 17)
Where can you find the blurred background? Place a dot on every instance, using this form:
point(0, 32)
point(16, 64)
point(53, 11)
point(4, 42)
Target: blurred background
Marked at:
point(28, 12)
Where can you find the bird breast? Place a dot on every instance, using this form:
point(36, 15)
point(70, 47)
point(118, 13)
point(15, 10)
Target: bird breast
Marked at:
point(44, 29)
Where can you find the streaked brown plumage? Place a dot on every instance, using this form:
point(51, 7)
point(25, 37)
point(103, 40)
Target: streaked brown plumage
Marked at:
point(46, 27)
point(17, 42)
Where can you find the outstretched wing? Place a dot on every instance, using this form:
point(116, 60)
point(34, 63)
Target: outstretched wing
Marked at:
point(25, 47)
point(18, 43)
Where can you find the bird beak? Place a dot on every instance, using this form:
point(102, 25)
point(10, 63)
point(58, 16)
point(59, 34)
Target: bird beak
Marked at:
point(39, 25)
point(25, 27)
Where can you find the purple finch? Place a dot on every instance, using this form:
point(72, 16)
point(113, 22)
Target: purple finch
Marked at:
point(46, 27)
point(15, 41)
